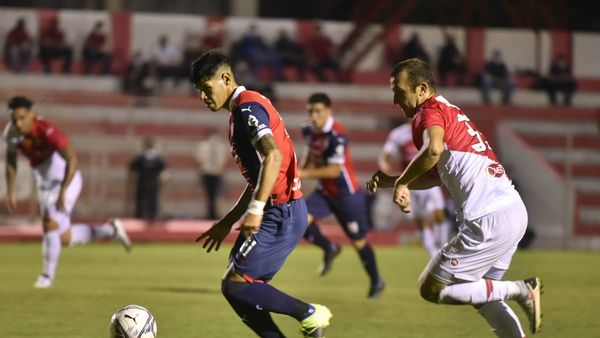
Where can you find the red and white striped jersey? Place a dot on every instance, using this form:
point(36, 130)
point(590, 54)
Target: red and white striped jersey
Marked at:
point(468, 167)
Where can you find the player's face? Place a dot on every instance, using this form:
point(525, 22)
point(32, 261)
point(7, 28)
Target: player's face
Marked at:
point(405, 97)
point(214, 92)
point(319, 113)
point(22, 118)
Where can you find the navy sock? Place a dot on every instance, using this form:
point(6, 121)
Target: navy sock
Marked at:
point(314, 235)
point(259, 321)
point(367, 257)
point(264, 296)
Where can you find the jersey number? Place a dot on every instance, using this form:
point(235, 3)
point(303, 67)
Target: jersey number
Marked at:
point(481, 145)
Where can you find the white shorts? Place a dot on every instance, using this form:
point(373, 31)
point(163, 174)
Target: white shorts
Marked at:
point(48, 194)
point(483, 247)
point(424, 202)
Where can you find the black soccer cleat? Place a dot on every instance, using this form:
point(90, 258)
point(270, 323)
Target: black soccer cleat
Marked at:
point(328, 258)
point(376, 289)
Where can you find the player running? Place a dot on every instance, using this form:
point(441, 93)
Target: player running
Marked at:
point(339, 192)
point(428, 205)
point(58, 181)
point(271, 210)
point(469, 269)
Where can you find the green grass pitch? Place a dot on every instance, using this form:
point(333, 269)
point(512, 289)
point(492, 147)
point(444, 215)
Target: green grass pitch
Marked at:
point(181, 286)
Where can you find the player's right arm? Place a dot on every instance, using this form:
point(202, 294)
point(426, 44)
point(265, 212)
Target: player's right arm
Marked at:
point(215, 235)
point(11, 174)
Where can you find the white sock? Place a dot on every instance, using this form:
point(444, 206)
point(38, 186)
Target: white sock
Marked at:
point(80, 234)
point(482, 291)
point(51, 247)
point(442, 232)
point(104, 231)
point(502, 320)
point(429, 241)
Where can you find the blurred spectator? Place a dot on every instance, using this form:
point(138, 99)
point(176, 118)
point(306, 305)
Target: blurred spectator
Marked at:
point(18, 48)
point(94, 51)
point(245, 75)
point(496, 75)
point(53, 46)
point(211, 158)
point(253, 49)
point(560, 79)
point(136, 76)
point(414, 49)
point(451, 62)
point(323, 56)
point(166, 60)
point(292, 54)
point(214, 38)
point(148, 172)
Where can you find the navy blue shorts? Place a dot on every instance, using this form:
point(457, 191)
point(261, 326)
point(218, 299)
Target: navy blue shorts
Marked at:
point(261, 256)
point(350, 211)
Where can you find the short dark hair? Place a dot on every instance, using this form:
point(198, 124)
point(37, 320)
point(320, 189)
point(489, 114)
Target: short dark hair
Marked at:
point(320, 98)
point(207, 64)
point(19, 102)
point(417, 70)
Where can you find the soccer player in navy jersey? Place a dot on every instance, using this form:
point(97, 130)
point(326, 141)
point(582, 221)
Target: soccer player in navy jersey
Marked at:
point(338, 192)
point(271, 210)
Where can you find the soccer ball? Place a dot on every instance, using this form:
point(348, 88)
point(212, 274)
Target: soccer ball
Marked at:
point(132, 321)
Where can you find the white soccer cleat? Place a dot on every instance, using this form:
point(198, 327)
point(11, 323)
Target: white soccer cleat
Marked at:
point(120, 234)
point(531, 302)
point(43, 282)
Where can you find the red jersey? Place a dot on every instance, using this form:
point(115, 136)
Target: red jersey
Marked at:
point(38, 146)
point(252, 117)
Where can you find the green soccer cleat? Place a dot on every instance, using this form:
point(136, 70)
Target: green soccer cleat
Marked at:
point(314, 325)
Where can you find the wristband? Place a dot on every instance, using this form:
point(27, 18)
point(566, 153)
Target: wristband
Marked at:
point(256, 207)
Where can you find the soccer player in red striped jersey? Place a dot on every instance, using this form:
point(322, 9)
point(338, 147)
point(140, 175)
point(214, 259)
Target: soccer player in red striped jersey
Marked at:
point(492, 216)
point(271, 210)
point(54, 164)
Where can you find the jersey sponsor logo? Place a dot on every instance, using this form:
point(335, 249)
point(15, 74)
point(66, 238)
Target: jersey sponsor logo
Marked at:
point(247, 109)
point(339, 150)
point(454, 262)
point(495, 170)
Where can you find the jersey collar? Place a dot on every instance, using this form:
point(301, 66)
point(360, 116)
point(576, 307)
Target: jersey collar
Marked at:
point(328, 125)
point(234, 96)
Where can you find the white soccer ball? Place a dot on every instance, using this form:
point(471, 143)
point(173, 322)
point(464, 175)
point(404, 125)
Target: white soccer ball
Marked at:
point(132, 321)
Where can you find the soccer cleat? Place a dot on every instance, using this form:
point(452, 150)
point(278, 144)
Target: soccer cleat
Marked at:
point(314, 325)
point(120, 234)
point(328, 258)
point(43, 282)
point(531, 302)
point(376, 289)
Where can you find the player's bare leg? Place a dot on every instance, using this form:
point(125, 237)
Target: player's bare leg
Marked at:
point(427, 235)
point(442, 227)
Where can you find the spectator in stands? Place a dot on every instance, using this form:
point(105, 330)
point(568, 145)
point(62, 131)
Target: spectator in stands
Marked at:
point(259, 56)
point(451, 62)
point(560, 79)
point(148, 172)
point(323, 56)
point(136, 76)
point(496, 75)
point(18, 48)
point(53, 46)
point(414, 49)
point(166, 60)
point(94, 51)
point(211, 158)
point(292, 54)
point(251, 81)
point(214, 38)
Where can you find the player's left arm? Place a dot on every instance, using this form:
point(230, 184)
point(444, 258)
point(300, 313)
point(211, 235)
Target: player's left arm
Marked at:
point(68, 153)
point(331, 170)
point(269, 171)
point(336, 157)
point(427, 157)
